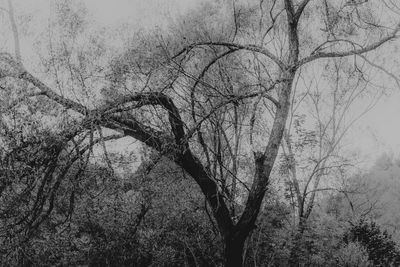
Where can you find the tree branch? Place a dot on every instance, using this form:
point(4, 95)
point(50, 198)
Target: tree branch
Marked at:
point(133, 128)
point(47, 91)
point(152, 99)
point(300, 9)
point(290, 11)
point(234, 100)
point(350, 52)
point(17, 47)
point(248, 47)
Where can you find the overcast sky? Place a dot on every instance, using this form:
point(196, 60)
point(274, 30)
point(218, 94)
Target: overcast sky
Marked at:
point(376, 132)
point(107, 12)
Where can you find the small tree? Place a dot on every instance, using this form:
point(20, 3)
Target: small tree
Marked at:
point(382, 250)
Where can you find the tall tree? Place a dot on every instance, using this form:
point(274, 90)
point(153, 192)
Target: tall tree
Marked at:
point(312, 157)
point(163, 95)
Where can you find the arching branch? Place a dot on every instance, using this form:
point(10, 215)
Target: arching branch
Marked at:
point(152, 99)
point(351, 52)
point(248, 47)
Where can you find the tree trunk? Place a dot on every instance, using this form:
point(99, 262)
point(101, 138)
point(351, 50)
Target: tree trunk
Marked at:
point(296, 251)
point(234, 247)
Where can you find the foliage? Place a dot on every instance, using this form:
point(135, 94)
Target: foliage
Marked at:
point(382, 250)
point(351, 255)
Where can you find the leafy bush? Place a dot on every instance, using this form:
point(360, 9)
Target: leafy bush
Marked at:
point(382, 250)
point(352, 255)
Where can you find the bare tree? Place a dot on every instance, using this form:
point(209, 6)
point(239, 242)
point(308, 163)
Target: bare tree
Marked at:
point(312, 144)
point(168, 103)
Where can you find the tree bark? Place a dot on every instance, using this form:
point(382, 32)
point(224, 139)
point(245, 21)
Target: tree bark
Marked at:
point(234, 245)
point(295, 252)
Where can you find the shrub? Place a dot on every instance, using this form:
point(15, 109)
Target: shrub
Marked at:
point(382, 250)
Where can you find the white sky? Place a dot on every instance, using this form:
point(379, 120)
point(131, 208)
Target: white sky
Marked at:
point(375, 133)
point(109, 12)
